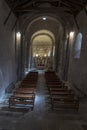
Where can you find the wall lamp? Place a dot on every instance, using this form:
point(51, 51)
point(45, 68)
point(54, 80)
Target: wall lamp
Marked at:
point(71, 34)
point(18, 34)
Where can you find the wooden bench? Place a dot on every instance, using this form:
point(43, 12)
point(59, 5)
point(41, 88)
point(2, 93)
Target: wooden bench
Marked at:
point(67, 92)
point(64, 102)
point(22, 99)
point(28, 85)
point(25, 94)
point(61, 96)
point(28, 82)
point(25, 90)
point(56, 89)
point(56, 86)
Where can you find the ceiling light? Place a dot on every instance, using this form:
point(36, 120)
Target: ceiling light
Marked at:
point(44, 18)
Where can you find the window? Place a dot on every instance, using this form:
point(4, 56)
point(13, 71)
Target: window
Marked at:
point(78, 43)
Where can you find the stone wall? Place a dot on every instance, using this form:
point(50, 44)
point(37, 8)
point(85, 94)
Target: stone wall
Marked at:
point(7, 48)
point(78, 66)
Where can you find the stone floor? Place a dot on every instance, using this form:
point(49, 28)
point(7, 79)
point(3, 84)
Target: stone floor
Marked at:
point(42, 117)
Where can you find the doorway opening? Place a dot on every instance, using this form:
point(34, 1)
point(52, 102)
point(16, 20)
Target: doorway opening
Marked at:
point(42, 45)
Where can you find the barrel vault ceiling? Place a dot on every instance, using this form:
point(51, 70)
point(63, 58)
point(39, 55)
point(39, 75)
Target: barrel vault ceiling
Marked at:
point(63, 8)
point(21, 7)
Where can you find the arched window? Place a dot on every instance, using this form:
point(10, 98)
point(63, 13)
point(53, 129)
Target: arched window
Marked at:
point(78, 43)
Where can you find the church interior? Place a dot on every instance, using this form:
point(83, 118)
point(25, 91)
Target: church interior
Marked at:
point(43, 66)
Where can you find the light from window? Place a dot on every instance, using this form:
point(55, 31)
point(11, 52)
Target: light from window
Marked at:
point(78, 45)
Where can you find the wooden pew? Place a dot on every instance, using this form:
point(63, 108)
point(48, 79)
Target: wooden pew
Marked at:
point(23, 85)
point(61, 93)
point(25, 90)
point(22, 99)
point(61, 96)
point(56, 87)
point(25, 94)
point(64, 102)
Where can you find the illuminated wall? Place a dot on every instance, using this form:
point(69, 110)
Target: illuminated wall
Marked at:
point(7, 49)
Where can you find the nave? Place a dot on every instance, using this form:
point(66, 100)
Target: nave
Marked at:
point(44, 35)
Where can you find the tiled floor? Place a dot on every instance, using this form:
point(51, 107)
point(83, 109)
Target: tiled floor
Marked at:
point(42, 117)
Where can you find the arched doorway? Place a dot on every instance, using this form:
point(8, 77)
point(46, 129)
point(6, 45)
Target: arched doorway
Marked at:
point(42, 45)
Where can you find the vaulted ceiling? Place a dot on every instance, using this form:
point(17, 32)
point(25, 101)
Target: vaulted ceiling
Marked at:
point(21, 7)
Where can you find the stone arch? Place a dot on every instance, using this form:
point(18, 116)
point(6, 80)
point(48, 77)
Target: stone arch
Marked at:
point(43, 42)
